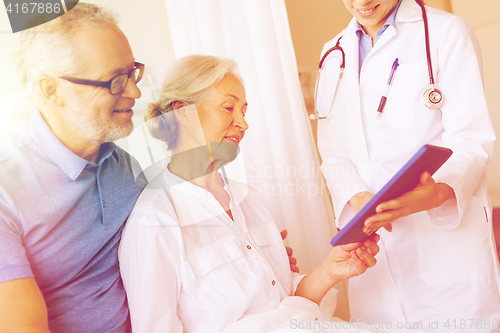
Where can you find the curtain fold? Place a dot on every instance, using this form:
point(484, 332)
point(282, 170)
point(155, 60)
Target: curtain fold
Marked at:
point(278, 155)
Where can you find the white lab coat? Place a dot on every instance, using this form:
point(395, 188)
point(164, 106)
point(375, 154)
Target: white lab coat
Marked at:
point(436, 265)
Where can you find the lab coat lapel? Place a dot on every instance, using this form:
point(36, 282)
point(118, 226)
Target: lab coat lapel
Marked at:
point(408, 11)
point(388, 34)
point(354, 129)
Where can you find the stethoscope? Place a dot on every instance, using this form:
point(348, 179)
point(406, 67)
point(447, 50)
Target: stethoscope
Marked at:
point(433, 97)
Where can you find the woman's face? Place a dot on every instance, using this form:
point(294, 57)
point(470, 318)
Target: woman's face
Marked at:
point(222, 117)
point(222, 112)
point(371, 14)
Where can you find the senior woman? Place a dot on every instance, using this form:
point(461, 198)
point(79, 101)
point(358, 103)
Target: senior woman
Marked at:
point(200, 252)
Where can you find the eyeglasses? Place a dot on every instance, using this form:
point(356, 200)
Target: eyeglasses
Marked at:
point(117, 84)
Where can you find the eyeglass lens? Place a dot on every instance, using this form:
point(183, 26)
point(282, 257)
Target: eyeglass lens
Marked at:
point(119, 83)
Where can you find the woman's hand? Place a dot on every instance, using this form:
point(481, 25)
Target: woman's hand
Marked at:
point(346, 261)
point(427, 195)
point(343, 262)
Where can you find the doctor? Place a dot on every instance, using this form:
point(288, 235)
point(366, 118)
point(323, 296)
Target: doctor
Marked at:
point(438, 266)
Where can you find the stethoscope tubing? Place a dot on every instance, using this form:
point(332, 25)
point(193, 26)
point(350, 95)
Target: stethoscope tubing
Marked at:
point(428, 100)
point(427, 45)
point(342, 67)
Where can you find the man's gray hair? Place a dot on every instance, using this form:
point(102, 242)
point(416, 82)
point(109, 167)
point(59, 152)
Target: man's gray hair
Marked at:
point(49, 49)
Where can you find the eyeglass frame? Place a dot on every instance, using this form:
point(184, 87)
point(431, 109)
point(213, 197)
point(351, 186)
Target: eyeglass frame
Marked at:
point(107, 84)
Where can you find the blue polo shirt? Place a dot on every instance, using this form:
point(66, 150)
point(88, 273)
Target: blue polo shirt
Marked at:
point(365, 40)
point(61, 219)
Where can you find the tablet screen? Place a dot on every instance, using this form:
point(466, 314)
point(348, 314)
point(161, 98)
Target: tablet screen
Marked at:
point(428, 158)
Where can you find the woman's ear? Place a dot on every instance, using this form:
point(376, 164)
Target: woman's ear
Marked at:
point(50, 91)
point(180, 110)
point(176, 105)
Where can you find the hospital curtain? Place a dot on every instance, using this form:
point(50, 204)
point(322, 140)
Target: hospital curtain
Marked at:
point(278, 154)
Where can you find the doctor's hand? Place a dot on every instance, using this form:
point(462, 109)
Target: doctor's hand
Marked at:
point(359, 200)
point(425, 196)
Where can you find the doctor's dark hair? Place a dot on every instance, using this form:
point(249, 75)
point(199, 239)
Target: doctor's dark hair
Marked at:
point(50, 49)
point(186, 80)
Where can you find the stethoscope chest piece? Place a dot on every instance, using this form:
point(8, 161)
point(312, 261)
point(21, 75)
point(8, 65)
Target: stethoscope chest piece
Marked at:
point(433, 98)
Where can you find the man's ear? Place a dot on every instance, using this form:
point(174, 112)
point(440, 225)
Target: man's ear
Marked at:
point(50, 90)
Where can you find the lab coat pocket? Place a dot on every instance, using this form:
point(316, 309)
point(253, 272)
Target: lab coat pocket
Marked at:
point(455, 255)
point(405, 107)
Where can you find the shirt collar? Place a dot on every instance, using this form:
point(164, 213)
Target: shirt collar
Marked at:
point(108, 149)
point(54, 150)
point(183, 193)
point(181, 184)
point(390, 22)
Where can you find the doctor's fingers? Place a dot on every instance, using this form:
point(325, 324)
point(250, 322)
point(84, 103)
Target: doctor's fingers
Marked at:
point(372, 225)
point(367, 258)
point(401, 202)
point(396, 207)
point(426, 179)
point(371, 245)
point(424, 189)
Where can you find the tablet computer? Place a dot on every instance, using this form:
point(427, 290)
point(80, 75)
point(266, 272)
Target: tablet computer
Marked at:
point(428, 158)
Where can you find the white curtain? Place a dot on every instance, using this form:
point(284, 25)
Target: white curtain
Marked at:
point(278, 154)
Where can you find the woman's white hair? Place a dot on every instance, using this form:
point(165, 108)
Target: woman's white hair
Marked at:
point(186, 80)
point(49, 49)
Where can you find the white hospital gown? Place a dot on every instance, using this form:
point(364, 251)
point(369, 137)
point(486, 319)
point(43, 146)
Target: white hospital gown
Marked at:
point(188, 267)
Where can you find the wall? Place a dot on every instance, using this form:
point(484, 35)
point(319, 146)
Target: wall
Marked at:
point(441, 4)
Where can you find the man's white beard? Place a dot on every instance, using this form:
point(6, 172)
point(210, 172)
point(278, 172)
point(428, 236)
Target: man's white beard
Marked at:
point(98, 129)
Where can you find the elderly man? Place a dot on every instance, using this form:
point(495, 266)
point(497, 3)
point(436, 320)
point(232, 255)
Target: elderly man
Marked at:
point(65, 189)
